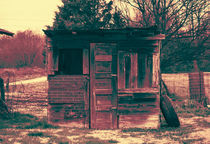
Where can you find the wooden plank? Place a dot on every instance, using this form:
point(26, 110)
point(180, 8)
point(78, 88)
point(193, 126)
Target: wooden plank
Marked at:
point(50, 70)
point(67, 77)
point(86, 101)
point(103, 91)
point(103, 75)
point(103, 100)
point(155, 71)
point(121, 70)
point(103, 49)
point(139, 90)
point(103, 120)
point(56, 60)
point(147, 71)
point(127, 70)
point(114, 100)
point(148, 76)
point(107, 37)
point(103, 58)
point(125, 94)
point(85, 61)
point(134, 71)
point(92, 87)
point(103, 84)
point(114, 58)
point(101, 108)
point(66, 87)
point(103, 67)
point(141, 69)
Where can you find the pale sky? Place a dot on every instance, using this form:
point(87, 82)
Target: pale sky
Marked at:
point(20, 15)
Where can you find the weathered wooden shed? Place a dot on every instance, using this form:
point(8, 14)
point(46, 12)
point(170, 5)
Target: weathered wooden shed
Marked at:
point(104, 79)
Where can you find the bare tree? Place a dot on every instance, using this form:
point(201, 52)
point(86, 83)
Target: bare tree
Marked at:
point(24, 49)
point(186, 19)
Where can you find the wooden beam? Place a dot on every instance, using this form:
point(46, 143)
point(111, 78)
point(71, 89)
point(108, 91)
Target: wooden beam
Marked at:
point(92, 87)
point(114, 99)
point(139, 90)
point(85, 61)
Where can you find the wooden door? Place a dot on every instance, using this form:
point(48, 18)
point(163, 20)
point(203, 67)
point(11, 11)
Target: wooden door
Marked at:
point(103, 85)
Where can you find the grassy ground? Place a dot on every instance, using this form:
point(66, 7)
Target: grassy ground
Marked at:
point(27, 128)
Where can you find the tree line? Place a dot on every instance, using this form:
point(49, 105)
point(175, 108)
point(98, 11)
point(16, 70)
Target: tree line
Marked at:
point(25, 49)
point(184, 22)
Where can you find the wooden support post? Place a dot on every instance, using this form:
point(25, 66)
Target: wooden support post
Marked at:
point(92, 86)
point(85, 61)
point(114, 99)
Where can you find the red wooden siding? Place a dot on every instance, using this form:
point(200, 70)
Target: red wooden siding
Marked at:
point(103, 59)
point(117, 83)
point(68, 98)
point(135, 70)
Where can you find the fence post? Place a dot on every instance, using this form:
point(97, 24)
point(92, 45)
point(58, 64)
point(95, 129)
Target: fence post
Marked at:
point(2, 89)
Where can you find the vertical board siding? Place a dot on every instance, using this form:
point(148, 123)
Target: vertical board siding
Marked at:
point(103, 66)
point(141, 69)
point(121, 70)
point(92, 87)
point(103, 83)
point(114, 100)
point(155, 70)
point(207, 86)
point(50, 69)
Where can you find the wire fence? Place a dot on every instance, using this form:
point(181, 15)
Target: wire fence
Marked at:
point(32, 98)
point(179, 84)
point(28, 98)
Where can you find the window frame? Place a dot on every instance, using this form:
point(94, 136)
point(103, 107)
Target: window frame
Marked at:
point(135, 80)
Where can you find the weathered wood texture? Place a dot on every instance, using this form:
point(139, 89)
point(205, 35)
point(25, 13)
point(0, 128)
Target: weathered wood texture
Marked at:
point(52, 57)
point(135, 70)
point(138, 110)
point(103, 74)
point(123, 68)
point(107, 35)
point(156, 70)
point(68, 98)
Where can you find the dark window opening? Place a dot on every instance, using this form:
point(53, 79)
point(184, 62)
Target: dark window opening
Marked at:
point(71, 62)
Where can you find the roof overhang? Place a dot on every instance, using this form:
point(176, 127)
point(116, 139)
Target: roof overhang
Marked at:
point(109, 34)
point(2, 31)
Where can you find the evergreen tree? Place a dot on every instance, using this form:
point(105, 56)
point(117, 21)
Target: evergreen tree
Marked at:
point(87, 14)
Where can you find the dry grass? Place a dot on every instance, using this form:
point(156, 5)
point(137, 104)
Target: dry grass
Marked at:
point(27, 128)
point(22, 73)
